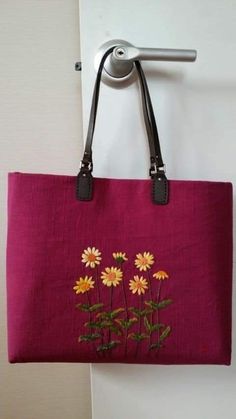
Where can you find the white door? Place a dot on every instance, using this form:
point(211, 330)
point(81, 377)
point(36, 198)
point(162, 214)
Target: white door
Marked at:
point(195, 106)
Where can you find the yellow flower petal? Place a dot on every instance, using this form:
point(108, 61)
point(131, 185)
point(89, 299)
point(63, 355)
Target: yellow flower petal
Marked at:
point(144, 261)
point(112, 276)
point(138, 284)
point(91, 257)
point(161, 275)
point(84, 284)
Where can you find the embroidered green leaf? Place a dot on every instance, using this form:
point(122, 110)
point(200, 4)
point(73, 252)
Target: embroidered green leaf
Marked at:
point(101, 315)
point(126, 324)
point(158, 305)
point(147, 324)
point(88, 308)
point(152, 327)
point(140, 313)
point(95, 325)
point(164, 303)
point(109, 345)
point(137, 336)
point(83, 307)
point(116, 330)
point(113, 328)
point(104, 324)
point(89, 338)
point(110, 314)
point(95, 307)
point(151, 304)
point(157, 345)
point(156, 326)
point(117, 311)
point(165, 333)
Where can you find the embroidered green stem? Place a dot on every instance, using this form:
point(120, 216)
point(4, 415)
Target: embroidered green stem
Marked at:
point(90, 314)
point(126, 310)
point(90, 318)
point(98, 298)
point(97, 285)
point(158, 316)
point(109, 330)
point(139, 325)
point(151, 314)
point(123, 286)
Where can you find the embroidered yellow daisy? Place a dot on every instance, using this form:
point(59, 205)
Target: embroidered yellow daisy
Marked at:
point(144, 261)
point(120, 257)
point(83, 285)
point(111, 276)
point(91, 257)
point(160, 275)
point(138, 284)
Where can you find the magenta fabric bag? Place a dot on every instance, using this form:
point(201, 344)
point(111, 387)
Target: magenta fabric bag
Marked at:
point(117, 270)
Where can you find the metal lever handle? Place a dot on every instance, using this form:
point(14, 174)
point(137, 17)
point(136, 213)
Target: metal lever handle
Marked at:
point(153, 54)
point(119, 66)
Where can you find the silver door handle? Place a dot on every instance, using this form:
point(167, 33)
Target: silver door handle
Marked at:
point(119, 65)
point(123, 53)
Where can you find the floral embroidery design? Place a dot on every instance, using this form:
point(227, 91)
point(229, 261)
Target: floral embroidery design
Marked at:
point(120, 257)
point(111, 277)
point(83, 285)
point(144, 261)
point(161, 275)
point(138, 284)
point(108, 326)
point(91, 257)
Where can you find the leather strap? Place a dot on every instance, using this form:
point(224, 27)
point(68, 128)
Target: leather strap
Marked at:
point(160, 189)
point(84, 186)
point(155, 154)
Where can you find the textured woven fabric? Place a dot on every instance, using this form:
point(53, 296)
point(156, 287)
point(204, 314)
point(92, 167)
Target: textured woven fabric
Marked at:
point(118, 279)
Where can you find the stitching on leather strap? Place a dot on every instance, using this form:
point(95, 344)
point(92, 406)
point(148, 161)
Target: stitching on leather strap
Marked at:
point(84, 193)
point(163, 183)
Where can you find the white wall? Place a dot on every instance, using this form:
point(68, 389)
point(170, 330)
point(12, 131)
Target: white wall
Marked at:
point(40, 113)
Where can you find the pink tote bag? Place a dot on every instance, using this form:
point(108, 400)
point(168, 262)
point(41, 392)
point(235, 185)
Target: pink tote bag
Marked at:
point(118, 270)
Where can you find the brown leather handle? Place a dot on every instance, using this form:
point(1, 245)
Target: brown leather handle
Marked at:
point(84, 188)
